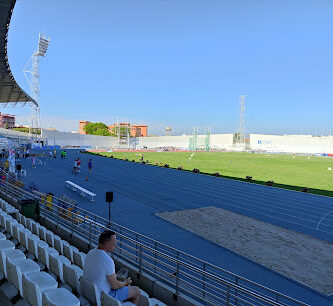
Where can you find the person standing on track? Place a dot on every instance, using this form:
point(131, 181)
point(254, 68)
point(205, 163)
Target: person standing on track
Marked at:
point(33, 161)
point(78, 165)
point(74, 167)
point(90, 166)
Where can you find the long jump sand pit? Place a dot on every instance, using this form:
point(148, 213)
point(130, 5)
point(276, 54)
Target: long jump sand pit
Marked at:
point(301, 257)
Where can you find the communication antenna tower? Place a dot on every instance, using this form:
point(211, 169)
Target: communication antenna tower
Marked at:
point(241, 128)
point(32, 76)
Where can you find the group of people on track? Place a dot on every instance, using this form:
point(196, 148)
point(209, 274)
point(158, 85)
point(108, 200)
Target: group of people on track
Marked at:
point(77, 166)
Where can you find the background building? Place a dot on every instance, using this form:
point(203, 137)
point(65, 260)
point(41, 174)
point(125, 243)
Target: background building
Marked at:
point(82, 124)
point(7, 121)
point(138, 130)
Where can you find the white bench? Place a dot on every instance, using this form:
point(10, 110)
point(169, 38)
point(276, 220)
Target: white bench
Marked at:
point(76, 187)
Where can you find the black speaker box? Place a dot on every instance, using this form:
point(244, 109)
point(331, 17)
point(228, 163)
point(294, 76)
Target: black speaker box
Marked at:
point(109, 196)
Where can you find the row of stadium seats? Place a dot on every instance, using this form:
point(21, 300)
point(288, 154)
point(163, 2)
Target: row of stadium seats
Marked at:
point(37, 267)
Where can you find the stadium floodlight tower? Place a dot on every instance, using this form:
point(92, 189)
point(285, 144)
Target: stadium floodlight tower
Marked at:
point(241, 128)
point(32, 76)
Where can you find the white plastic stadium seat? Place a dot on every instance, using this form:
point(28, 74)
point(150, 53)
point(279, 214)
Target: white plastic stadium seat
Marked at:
point(16, 268)
point(107, 300)
point(9, 225)
point(24, 221)
point(18, 216)
point(34, 284)
point(56, 263)
point(16, 230)
point(3, 219)
point(14, 253)
point(44, 253)
point(2, 214)
point(89, 291)
point(2, 236)
point(32, 244)
point(72, 276)
point(9, 209)
point(68, 250)
point(23, 237)
point(144, 298)
point(50, 238)
point(6, 245)
point(42, 233)
point(29, 224)
point(35, 228)
point(40, 244)
point(59, 297)
point(79, 258)
point(58, 244)
point(156, 302)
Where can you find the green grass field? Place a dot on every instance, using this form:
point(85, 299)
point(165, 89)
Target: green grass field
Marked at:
point(287, 171)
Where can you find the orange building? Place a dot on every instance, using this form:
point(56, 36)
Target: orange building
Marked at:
point(139, 130)
point(82, 124)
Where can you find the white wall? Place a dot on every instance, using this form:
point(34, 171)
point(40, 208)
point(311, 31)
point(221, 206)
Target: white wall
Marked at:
point(292, 143)
point(165, 141)
point(13, 133)
point(218, 141)
point(221, 141)
point(72, 139)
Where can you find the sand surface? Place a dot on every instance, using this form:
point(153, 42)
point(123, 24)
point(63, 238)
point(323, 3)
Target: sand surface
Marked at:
point(298, 256)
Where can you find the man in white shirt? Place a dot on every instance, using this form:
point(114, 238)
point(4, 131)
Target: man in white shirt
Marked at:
point(99, 268)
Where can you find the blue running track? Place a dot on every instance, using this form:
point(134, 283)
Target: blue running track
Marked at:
point(141, 191)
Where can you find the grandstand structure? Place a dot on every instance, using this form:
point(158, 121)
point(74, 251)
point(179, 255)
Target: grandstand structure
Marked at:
point(61, 236)
point(44, 238)
point(10, 91)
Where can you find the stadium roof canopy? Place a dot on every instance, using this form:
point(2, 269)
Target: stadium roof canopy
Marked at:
point(10, 91)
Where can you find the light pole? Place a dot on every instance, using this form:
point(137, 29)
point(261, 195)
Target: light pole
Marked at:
point(109, 199)
point(43, 44)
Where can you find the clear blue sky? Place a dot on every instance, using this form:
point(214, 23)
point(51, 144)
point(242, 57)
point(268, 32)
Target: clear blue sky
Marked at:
point(181, 63)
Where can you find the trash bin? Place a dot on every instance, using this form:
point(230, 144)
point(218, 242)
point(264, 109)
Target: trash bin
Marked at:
point(29, 208)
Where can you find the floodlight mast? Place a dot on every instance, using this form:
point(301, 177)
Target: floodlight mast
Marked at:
point(32, 77)
point(241, 128)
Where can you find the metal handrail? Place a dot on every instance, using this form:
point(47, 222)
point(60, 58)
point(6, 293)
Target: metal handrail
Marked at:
point(140, 246)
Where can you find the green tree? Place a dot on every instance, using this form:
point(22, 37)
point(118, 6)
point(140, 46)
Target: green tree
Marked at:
point(236, 138)
point(97, 128)
point(26, 130)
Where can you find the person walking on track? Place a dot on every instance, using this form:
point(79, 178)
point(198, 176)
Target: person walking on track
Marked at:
point(74, 167)
point(90, 166)
point(79, 165)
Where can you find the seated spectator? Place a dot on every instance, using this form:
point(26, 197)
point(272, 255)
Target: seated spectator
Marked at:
point(99, 268)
